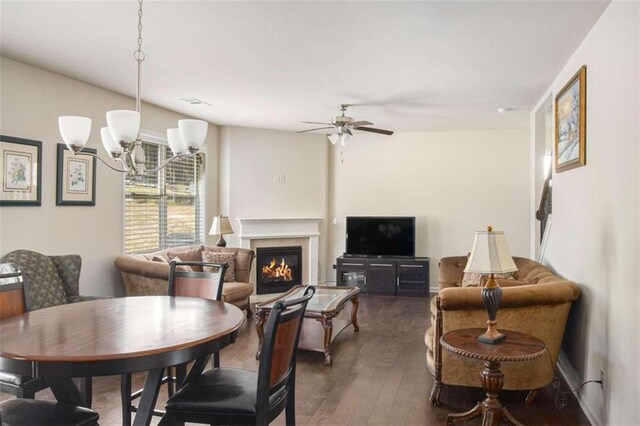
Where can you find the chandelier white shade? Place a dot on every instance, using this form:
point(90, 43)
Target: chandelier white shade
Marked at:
point(109, 144)
point(124, 125)
point(193, 134)
point(75, 131)
point(343, 138)
point(175, 142)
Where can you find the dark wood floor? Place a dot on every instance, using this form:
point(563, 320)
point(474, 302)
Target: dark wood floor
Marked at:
point(378, 376)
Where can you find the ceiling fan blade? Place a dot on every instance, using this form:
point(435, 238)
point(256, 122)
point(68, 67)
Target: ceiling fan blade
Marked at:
point(312, 130)
point(316, 122)
point(348, 131)
point(373, 130)
point(361, 123)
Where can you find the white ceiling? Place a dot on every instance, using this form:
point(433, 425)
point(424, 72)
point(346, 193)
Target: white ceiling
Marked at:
point(412, 66)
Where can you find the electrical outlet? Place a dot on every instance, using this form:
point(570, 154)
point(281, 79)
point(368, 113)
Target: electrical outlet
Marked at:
point(602, 376)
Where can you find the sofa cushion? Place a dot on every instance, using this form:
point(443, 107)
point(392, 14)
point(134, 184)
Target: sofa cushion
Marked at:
point(191, 255)
point(235, 291)
point(474, 279)
point(68, 267)
point(158, 258)
point(228, 258)
point(45, 286)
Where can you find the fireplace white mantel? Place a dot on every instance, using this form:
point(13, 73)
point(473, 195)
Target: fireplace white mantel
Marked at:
point(282, 228)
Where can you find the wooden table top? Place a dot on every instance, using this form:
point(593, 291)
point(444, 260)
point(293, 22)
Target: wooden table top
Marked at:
point(326, 298)
point(116, 328)
point(516, 346)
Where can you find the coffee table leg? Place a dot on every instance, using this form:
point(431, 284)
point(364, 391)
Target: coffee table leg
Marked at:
point(467, 415)
point(260, 329)
point(354, 312)
point(507, 415)
point(327, 324)
point(148, 398)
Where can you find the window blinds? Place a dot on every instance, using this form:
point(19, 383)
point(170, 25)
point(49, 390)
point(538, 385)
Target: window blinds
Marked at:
point(164, 209)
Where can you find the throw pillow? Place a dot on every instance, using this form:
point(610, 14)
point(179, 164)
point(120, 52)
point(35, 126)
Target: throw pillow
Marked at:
point(191, 255)
point(182, 268)
point(474, 279)
point(228, 258)
point(161, 259)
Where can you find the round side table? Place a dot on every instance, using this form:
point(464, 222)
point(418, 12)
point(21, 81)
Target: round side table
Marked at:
point(517, 347)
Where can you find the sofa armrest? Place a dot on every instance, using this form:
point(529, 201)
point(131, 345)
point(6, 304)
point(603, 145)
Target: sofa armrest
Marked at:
point(451, 271)
point(469, 298)
point(143, 267)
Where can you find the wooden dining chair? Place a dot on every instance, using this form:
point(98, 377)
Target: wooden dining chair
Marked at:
point(183, 282)
point(233, 396)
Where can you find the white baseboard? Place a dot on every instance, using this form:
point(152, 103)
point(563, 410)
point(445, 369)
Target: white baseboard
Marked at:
point(573, 382)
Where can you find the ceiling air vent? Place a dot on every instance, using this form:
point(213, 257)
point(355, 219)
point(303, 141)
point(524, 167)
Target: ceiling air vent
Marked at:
point(195, 101)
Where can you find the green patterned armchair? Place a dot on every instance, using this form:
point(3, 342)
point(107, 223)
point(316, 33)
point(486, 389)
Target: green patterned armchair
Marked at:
point(53, 280)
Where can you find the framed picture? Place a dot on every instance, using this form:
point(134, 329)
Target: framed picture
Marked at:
point(571, 123)
point(76, 178)
point(20, 168)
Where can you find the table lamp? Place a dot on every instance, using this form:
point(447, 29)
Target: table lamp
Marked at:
point(490, 255)
point(221, 226)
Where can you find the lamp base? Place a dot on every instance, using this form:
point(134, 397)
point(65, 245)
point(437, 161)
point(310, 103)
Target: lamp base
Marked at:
point(492, 335)
point(221, 242)
point(491, 298)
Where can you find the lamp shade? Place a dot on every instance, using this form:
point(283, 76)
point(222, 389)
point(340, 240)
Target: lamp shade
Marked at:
point(75, 131)
point(175, 143)
point(490, 254)
point(193, 133)
point(334, 138)
point(124, 125)
point(110, 145)
point(220, 226)
point(345, 138)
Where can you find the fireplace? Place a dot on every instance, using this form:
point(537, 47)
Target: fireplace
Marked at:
point(278, 268)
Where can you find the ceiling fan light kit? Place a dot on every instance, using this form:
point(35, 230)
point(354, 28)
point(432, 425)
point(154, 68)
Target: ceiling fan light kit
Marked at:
point(121, 136)
point(344, 125)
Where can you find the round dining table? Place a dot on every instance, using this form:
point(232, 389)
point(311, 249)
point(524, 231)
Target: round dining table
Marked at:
point(116, 336)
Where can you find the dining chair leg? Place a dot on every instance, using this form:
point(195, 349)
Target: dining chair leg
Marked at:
point(149, 397)
point(125, 396)
point(290, 409)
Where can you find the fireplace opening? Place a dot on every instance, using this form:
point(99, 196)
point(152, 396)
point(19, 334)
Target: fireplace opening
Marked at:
point(278, 268)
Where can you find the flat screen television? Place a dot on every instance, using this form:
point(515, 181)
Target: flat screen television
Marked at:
point(381, 236)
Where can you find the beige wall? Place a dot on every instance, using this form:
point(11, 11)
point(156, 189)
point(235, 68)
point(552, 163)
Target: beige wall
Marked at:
point(595, 230)
point(31, 101)
point(249, 160)
point(454, 183)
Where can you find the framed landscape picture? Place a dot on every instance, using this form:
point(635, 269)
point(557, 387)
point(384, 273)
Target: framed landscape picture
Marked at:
point(571, 123)
point(20, 168)
point(76, 178)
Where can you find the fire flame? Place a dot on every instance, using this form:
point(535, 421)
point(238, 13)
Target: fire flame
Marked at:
point(280, 272)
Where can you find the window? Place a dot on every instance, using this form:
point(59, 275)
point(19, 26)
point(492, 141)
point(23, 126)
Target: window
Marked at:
point(164, 209)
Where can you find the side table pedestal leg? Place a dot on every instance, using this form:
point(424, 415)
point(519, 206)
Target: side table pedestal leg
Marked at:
point(467, 415)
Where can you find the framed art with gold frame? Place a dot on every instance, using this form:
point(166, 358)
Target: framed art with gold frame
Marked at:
point(20, 172)
point(571, 123)
point(76, 178)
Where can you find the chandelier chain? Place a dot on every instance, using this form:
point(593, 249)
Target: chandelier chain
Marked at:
point(139, 54)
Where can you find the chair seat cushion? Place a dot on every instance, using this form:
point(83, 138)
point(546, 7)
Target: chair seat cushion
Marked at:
point(225, 391)
point(29, 412)
point(15, 379)
point(235, 291)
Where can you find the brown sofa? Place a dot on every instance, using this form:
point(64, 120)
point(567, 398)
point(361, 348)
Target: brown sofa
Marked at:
point(535, 301)
point(144, 277)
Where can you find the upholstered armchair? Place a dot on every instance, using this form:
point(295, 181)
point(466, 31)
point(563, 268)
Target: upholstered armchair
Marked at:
point(535, 302)
point(53, 280)
point(48, 281)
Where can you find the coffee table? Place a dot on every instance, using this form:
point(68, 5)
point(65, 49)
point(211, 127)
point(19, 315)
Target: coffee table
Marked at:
point(517, 347)
point(323, 307)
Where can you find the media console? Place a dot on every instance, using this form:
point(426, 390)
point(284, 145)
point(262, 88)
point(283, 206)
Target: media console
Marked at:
point(393, 276)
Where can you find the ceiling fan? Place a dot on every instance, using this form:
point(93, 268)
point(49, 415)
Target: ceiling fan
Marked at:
point(344, 125)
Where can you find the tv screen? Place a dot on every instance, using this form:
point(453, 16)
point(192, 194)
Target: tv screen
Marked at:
point(381, 236)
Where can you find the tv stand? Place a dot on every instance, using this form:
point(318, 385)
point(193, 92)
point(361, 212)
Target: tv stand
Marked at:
point(388, 275)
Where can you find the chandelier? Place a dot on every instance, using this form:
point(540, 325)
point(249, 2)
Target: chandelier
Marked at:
point(121, 136)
